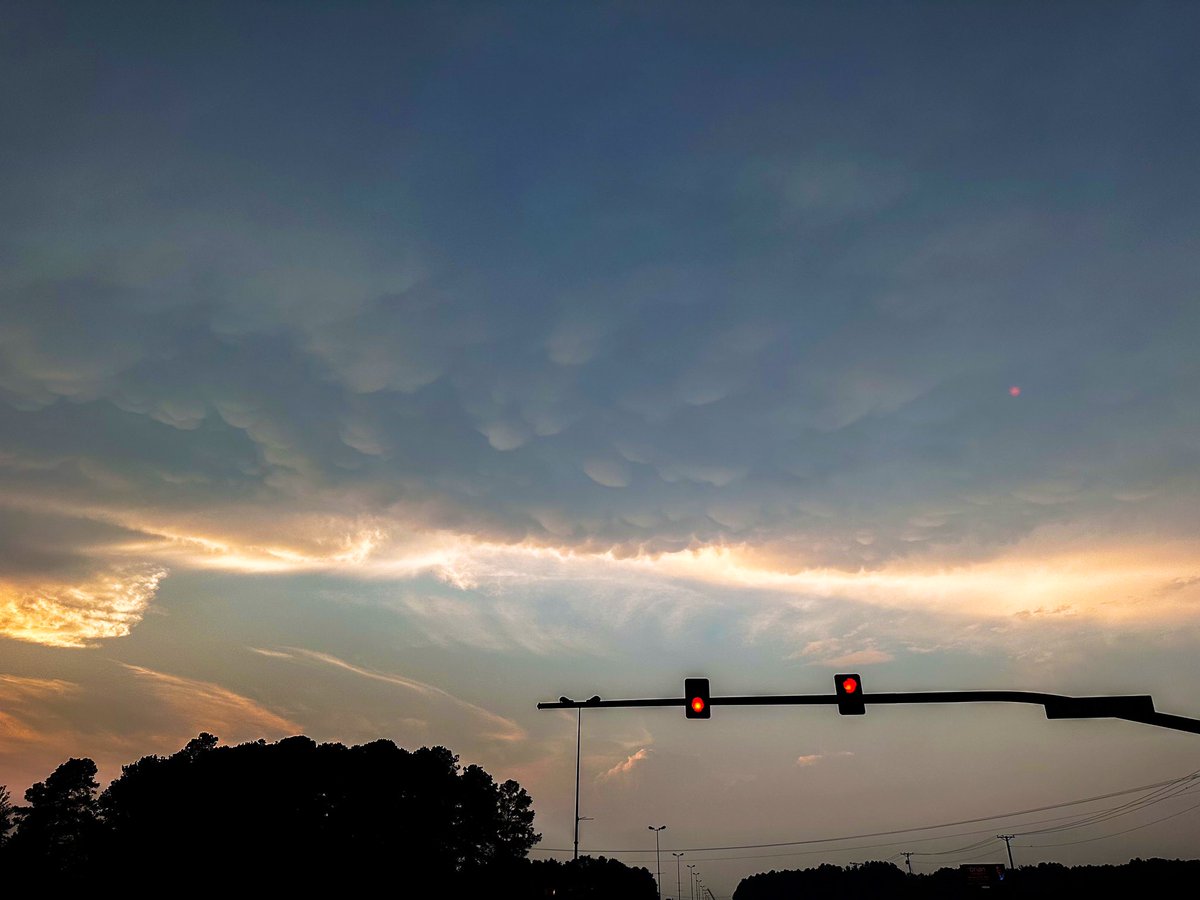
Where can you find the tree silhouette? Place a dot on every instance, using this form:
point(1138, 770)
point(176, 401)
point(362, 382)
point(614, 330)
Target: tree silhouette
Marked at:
point(7, 814)
point(297, 810)
point(60, 829)
point(588, 877)
point(1138, 877)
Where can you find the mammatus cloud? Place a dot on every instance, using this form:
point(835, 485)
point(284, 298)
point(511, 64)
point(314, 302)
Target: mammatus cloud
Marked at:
point(805, 403)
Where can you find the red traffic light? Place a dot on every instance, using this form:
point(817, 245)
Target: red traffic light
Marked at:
point(695, 692)
point(849, 695)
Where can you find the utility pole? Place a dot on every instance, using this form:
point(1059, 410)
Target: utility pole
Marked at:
point(1007, 838)
point(678, 879)
point(658, 856)
point(908, 859)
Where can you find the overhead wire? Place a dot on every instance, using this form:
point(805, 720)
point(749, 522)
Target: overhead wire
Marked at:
point(1115, 833)
point(1155, 787)
point(1159, 796)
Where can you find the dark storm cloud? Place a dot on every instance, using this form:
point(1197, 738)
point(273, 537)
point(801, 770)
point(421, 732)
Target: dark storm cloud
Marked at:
point(513, 283)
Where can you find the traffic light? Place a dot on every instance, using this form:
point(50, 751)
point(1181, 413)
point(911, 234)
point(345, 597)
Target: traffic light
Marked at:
point(695, 691)
point(849, 695)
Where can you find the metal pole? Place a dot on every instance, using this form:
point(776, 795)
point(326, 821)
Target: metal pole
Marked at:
point(692, 881)
point(1133, 708)
point(578, 735)
point(678, 878)
point(658, 856)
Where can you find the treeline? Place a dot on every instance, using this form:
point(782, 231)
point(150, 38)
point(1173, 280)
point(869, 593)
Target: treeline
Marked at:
point(1148, 877)
point(293, 814)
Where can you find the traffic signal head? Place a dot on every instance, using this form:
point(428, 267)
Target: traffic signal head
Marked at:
point(849, 695)
point(695, 692)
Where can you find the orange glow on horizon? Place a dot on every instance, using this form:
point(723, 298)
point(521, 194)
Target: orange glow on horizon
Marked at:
point(1051, 575)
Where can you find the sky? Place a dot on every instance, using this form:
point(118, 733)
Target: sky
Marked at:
point(380, 370)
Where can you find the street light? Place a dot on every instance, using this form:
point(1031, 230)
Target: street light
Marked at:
point(692, 880)
point(578, 736)
point(658, 856)
point(678, 879)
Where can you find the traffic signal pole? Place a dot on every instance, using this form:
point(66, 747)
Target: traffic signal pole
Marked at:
point(1132, 708)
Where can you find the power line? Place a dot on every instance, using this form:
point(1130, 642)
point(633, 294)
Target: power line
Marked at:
point(1115, 833)
point(937, 837)
point(1163, 794)
point(1145, 787)
point(968, 850)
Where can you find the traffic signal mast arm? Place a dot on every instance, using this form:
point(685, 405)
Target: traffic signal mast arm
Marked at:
point(1134, 708)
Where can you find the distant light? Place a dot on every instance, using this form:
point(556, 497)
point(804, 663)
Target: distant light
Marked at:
point(850, 685)
point(1014, 391)
point(698, 704)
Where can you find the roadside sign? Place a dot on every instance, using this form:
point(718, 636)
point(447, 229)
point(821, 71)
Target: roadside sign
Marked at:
point(984, 875)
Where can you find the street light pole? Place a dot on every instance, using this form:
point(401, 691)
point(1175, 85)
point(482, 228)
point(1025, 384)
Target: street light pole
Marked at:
point(658, 856)
point(691, 881)
point(578, 735)
point(678, 879)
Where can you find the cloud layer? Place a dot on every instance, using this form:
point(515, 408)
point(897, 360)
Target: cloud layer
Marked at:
point(738, 336)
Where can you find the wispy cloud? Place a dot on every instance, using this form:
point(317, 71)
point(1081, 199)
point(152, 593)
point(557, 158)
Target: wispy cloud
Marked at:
point(20, 700)
point(489, 724)
point(205, 706)
point(835, 651)
point(860, 658)
point(273, 654)
point(45, 720)
point(813, 759)
point(627, 765)
point(16, 687)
